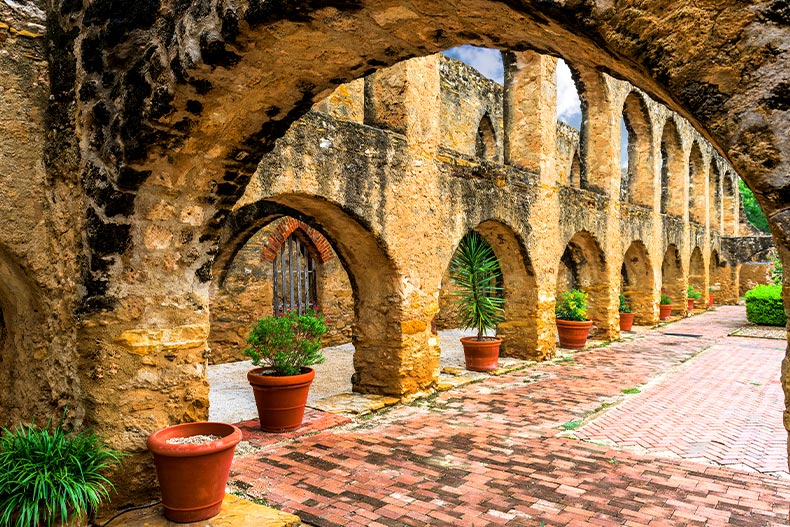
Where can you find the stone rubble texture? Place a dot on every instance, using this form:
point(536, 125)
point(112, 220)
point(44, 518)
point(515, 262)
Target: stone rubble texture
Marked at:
point(145, 143)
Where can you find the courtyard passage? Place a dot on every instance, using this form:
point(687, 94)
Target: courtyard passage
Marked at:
point(697, 440)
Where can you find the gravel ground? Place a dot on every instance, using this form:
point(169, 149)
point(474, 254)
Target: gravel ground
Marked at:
point(231, 398)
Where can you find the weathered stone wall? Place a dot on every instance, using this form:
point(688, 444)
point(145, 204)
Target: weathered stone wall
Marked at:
point(752, 274)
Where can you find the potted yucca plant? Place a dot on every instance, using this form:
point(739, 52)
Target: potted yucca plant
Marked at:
point(664, 306)
point(571, 317)
point(53, 476)
point(626, 316)
point(282, 347)
point(475, 273)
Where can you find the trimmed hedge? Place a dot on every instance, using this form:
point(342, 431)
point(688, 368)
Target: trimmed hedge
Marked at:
point(764, 305)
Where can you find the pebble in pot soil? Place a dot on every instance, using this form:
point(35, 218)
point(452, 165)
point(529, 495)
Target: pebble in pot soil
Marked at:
point(192, 440)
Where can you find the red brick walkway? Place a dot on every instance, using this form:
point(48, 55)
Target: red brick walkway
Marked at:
point(488, 454)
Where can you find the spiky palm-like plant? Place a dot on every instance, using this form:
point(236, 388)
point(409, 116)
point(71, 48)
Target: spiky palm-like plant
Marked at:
point(50, 474)
point(475, 272)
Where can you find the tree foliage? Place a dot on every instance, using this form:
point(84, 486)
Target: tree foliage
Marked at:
point(754, 213)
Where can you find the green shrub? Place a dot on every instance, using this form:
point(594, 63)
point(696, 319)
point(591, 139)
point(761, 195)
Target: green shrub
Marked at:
point(50, 474)
point(287, 342)
point(764, 305)
point(693, 293)
point(625, 304)
point(665, 300)
point(572, 306)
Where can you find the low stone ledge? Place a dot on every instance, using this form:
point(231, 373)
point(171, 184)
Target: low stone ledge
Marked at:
point(236, 512)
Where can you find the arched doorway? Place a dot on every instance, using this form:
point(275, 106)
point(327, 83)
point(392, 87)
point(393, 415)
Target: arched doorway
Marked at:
point(583, 266)
point(672, 282)
point(638, 283)
point(486, 143)
point(697, 278)
point(519, 327)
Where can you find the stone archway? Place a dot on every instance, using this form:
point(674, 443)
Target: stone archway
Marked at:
point(672, 279)
point(583, 266)
point(640, 187)
point(697, 277)
point(519, 327)
point(638, 283)
point(377, 333)
point(672, 171)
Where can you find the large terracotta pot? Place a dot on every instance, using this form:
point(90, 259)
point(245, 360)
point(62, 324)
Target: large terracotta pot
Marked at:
point(690, 305)
point(664, 311)
point(572, 333)
point(481, 355)
point(192, 478)
point(626, 321)
point(280, 400)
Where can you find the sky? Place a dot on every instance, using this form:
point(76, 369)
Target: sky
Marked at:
point(489, 63)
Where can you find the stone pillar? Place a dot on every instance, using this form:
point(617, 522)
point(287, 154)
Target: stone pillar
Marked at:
point(530, 113)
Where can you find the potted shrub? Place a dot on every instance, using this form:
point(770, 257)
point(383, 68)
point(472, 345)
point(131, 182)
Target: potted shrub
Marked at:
point(664, 306)
point(192, 463)
point(693, 296)
point(710, 297)
point(475, 272)
point(572, 324)
point(282, 347)
point(626, 316)
point(52, 476)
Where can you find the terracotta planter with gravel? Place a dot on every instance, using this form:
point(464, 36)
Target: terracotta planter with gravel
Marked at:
point(194, 470)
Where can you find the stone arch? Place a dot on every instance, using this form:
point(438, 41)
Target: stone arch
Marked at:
point(729, 204)
point(697, 195)
point(372, 274)
point(583, 266)
point(714, 196)
point(638, 282)
point(640, 179)
point(322, 248)
point(672, 279)
point(519, 327)
point(697, 275)
point(485, 140)
point(672, 170)
point(576, 171)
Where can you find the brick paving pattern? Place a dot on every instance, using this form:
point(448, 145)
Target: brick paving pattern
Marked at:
point(489, 454)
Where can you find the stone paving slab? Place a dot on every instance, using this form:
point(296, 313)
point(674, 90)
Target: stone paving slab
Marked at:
point(489, 454)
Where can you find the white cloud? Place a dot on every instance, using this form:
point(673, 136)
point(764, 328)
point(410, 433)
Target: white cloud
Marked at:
point(485, 60)
point(569, 107)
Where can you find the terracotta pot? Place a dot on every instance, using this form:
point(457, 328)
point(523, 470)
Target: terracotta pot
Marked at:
point(481, 355)
point(572, 333)
point(664, 311)
point(192, 478)
point(280, 400)
point(626, 321)
point(710, 300)
point(690, 305)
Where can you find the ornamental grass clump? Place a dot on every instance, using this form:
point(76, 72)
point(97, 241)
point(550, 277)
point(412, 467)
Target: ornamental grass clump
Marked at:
point(51, 475)
point(475, 272)
point(572, 306)
point(287, 342)
point(625, 304)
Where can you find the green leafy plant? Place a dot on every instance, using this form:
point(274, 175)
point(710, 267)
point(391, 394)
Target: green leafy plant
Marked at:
point(52, 474)
point(287, 342)
point(572, 306)
point(693, 293)
point(475, 272)
point(625, 304)
point(665, 300)
point(764, 305)
point(776, 272)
